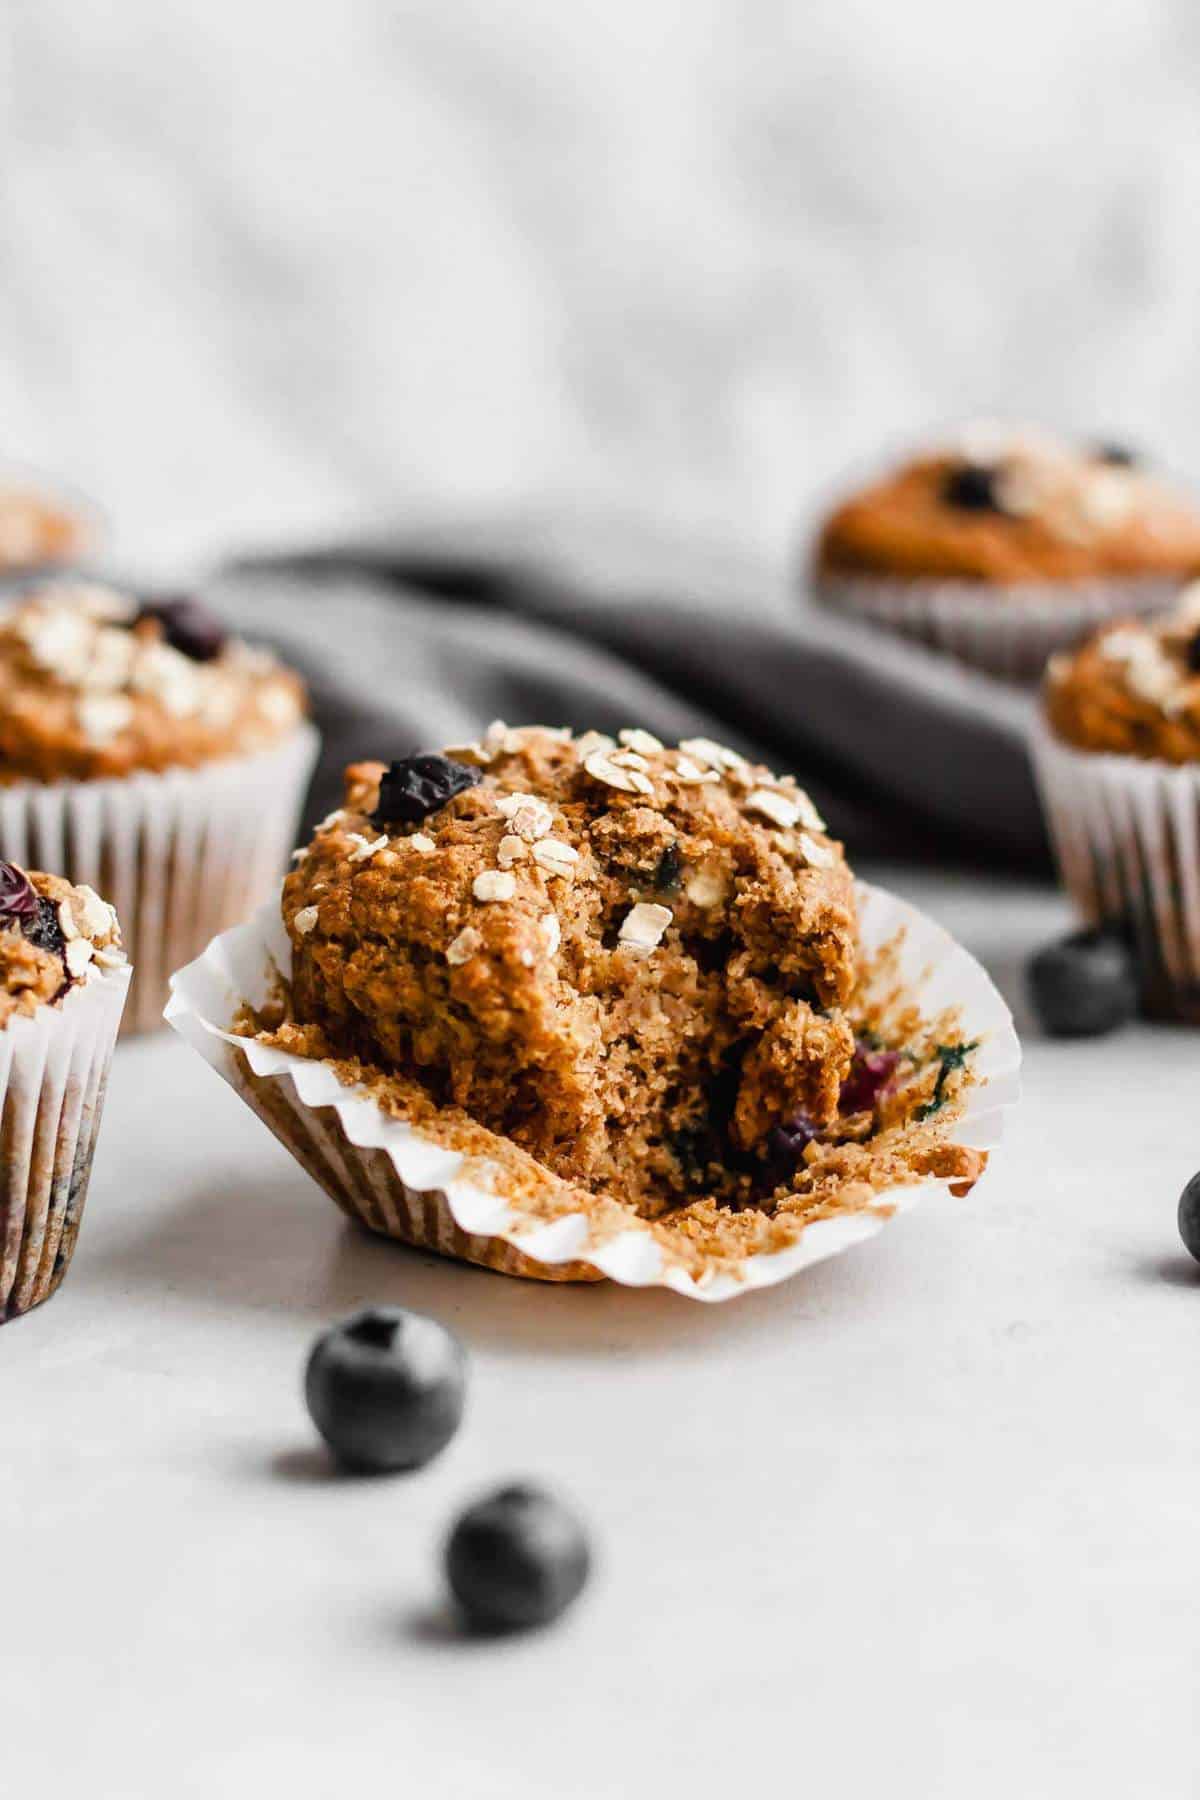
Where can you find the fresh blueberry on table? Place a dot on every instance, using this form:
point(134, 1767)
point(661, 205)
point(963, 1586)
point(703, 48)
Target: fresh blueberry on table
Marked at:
point(516, 1559)
point(1189, 1217)
point(416, 786)
point(1085, 985)
point(386, 1388)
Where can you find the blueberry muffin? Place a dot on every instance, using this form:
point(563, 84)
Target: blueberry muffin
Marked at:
point(1008, 546)
point(1133, 689)
point(63, 980)
point(629, 975)
point(1117, 753)
point(151, 754)
point(96, 683)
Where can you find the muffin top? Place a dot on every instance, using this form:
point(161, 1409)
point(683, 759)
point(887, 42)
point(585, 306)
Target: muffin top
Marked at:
point(96, 683)
point(630, 960)
point(1015, 507)
point(36, 530)
point(53, 938)
point(1134, 687)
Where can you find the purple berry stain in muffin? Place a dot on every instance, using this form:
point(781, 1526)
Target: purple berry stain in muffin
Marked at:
point(871, 1072)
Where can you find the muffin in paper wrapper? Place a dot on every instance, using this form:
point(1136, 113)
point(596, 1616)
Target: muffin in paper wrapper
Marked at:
point(181, 855)
point(1007, 631)
point(1126, 835)
point(400, 1181)
point(53, 1073)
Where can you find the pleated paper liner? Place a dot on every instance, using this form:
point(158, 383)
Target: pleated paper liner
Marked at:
point(400, 1181)
point(182, 855)
point(1126, 834)
point(53, 1072)
point(1010, 632)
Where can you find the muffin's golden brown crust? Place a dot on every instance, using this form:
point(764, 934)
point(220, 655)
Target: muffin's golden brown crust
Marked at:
point(1133, 688)
point(1063, 516)
point(615, 955)
point(89, 687)
point(53, 937)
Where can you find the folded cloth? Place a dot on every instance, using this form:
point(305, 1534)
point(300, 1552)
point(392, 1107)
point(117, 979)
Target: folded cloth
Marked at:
point(418, 642)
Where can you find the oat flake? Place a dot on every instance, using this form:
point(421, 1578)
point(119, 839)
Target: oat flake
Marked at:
point(463, 947)
point(777, 807)
point(494, 884)
point(643, 925)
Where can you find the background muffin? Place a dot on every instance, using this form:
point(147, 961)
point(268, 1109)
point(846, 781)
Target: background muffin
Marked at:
point(1008, 547)
point(150, 754)
point(1118, 762)
point(38, 530)
point(63, 981)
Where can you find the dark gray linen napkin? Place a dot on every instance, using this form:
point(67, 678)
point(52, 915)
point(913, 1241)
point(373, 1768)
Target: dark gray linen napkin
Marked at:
point(419, 642)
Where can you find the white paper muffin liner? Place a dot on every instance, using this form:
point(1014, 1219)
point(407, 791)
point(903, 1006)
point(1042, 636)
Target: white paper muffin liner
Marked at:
point(1126, 834)
point(400, 1181)
point(181, 855)
point(53, 1072)
point(1010, 632)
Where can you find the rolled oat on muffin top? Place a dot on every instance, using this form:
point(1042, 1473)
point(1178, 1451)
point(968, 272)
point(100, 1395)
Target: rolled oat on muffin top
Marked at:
point(1010, 507)
point(95, 683)
point(53, 937)
point(611, 952)
point(1133, 688)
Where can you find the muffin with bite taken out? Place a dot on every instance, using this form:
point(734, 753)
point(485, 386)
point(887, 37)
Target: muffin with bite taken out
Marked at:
point(624, 983)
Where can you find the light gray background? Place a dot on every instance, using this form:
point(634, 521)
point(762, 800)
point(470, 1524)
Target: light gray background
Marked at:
point(270, 265)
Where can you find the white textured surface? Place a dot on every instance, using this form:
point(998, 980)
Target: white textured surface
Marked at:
point(268, 265)
point(919, 1523)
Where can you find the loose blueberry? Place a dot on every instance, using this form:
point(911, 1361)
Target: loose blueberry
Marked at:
point(1119, 455)
point(385, 1389)
point(971, 487)
point(18, 896)
point(419, 785)
point(870, 1073)
point(1085, 985)
point(188, 627)
point(1189, 1217)
point(516, 1559)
